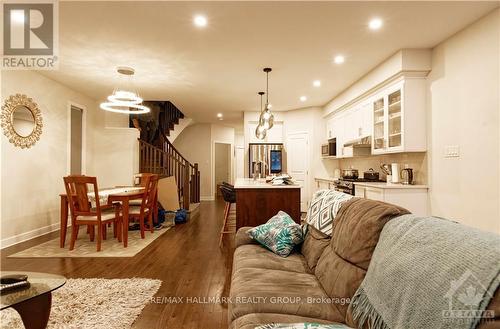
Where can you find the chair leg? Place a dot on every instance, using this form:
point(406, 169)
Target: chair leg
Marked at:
point(91, 231)
point(114, 229)
point(226, 215)
point(74, 235)
point(150, 220)
point(99, 236)
point(119, 230)
point(104, 231)
point(141, 224)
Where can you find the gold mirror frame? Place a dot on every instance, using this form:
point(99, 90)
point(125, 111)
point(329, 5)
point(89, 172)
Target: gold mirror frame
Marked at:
point(7, 118)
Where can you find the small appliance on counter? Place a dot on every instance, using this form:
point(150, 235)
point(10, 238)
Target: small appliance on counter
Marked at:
point(406, 176)
point(371, 174)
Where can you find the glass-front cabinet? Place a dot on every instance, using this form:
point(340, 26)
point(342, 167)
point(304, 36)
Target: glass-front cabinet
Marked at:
point(387, 121)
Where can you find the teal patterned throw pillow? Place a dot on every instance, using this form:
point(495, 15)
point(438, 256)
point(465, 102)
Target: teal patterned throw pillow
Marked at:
point(280, 234)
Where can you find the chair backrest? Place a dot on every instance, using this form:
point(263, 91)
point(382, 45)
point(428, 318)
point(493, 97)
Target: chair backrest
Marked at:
point(228, 193)
point(141, 178)
point(226, 184)
point(150, 183)
point(77, 193)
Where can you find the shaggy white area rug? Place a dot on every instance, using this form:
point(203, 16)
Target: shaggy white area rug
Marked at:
point(93, 304)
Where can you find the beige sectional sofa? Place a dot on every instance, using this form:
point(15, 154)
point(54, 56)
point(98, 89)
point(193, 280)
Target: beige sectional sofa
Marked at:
point(316, 283)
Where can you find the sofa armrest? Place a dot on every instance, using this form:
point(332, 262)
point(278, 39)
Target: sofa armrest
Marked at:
point(243, 238)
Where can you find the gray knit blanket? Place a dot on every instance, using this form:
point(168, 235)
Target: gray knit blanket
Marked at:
point(428, 273)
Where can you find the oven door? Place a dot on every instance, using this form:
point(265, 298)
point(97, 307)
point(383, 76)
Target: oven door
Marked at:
point(344, 189)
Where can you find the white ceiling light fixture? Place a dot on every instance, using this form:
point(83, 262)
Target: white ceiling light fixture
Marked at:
point(123, 100)
point(260, 131)
point(266, 119)
point(339, 59)
point(317, 83)
point(303, 98)
point(375, 24)
point(200, 21)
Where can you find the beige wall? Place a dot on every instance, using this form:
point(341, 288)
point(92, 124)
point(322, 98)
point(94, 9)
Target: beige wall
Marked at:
point(463, 105)
point(194, 144)
point(32, 178)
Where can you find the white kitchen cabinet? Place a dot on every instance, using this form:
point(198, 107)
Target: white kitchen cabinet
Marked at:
point(399, 119)
point(411, 197)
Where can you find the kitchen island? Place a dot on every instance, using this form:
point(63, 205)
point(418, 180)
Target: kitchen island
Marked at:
point(258, 201)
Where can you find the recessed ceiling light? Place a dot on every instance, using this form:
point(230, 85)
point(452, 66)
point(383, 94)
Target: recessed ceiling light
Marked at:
point(317, 83)
point(339, 59)
point(303, 98)
point(375, 24)
point(219, 115)
point(200, 21)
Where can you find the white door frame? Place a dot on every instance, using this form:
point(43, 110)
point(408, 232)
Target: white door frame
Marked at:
point(84, 137)
point(308, 163)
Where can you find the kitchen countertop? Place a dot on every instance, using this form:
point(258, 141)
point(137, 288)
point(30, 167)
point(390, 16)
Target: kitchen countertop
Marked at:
point(389, 186)
point(327, 179)
point(259, 183)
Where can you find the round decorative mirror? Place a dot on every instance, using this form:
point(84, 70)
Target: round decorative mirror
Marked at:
point(21, 121)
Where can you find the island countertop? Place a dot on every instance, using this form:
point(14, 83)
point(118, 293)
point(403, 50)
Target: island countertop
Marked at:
point(249, 183)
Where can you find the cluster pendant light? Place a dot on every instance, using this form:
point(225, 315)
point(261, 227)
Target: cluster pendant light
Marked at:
point(122, 100)
point(260, 131)
point(266, 119)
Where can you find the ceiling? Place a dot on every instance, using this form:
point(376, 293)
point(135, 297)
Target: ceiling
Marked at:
point(219, 68)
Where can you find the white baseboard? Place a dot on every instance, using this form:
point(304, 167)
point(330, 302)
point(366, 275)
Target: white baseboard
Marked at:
point(10, 241)
point(207, 198)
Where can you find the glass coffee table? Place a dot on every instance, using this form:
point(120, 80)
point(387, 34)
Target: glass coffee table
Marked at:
point(33, 303)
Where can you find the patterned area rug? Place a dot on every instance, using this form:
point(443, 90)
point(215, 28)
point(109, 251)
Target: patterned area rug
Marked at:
point(86, 248)
point(93, 304)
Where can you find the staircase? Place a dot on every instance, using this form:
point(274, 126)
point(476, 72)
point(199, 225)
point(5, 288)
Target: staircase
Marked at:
point(159, 156)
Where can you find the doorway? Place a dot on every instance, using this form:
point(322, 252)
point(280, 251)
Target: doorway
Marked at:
point(222, 165)
point(76, 140)
point(298, 164)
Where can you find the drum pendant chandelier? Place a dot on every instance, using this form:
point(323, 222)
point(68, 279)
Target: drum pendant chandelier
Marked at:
point(122, 100)
point(266, 117)
point(260, 131)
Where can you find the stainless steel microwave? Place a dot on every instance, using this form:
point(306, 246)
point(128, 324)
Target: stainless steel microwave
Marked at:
point(329, 149)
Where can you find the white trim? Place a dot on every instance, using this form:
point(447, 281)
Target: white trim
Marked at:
point(207, 198)
point(10, 241)
point(84, 137)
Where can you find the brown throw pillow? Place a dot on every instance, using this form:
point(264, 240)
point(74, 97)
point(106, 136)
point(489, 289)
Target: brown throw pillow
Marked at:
point(314, 244)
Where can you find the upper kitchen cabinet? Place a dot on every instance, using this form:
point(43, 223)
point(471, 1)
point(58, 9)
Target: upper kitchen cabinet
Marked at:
point(399, 123)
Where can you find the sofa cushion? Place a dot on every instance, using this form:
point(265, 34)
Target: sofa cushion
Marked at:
point(343, 264)
point(250, 321)
point(256, 290)
point(323, 209)
point(314, 244)
point(256, 256)
point(242, 237)
point(280, 234)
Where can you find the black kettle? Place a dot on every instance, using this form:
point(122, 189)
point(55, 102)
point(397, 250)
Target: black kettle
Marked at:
point(406, 176)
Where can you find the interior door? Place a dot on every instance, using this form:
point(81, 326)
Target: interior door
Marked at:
point(298, 164)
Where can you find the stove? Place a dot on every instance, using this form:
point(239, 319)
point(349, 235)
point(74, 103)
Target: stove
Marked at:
point(346, 185)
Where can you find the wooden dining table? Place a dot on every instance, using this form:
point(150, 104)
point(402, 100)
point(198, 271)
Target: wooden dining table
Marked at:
point(120, 196)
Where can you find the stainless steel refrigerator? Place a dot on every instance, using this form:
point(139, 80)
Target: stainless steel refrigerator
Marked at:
point(266, 158)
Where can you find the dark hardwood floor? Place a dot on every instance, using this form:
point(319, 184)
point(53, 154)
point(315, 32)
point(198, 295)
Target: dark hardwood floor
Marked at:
point(187, 259)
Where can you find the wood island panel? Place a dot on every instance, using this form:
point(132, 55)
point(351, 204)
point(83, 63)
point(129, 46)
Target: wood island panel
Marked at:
point(255, 206)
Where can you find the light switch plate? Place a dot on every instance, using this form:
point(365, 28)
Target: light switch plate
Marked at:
point(452, 151)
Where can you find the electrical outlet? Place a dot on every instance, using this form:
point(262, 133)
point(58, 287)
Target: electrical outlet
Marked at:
point(452, 151)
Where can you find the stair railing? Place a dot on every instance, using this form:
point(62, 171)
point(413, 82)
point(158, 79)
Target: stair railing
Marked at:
point(169, 162)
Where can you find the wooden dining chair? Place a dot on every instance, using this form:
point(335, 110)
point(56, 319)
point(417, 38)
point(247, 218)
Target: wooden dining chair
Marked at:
point(141, 180)
point(147, 207)
point(83, 214)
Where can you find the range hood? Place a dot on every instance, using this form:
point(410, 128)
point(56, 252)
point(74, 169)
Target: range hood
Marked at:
point(365, 141)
